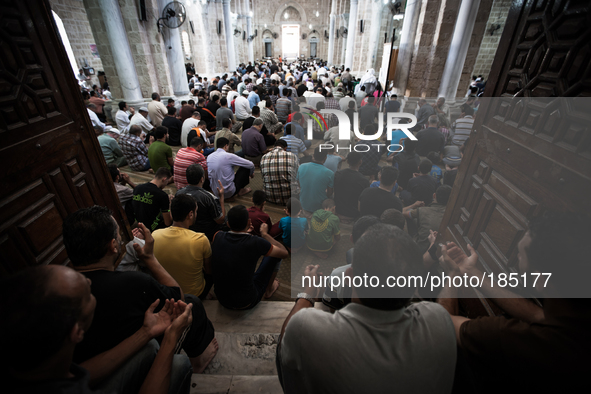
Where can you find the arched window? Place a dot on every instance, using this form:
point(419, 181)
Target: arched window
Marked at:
point(186, 45)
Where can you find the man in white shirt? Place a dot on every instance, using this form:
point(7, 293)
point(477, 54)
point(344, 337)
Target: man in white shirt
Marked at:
point(93, 117)
point(376, 343)
point(344, 103)
point(140, 120)
point(188, 124)
point(123, 116)
point(157, 110)
point(242, 106)
point(315, 98)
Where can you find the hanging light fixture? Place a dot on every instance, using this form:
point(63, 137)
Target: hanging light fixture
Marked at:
point(286, 15)
point(317, 14)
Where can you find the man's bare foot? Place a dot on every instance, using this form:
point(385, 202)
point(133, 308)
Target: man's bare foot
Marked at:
point(321, 255)
point(274, 288)
point(244, 191)
point(201, 362)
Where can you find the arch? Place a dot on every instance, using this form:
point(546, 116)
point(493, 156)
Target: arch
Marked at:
point(279, 14)
point(267, 35)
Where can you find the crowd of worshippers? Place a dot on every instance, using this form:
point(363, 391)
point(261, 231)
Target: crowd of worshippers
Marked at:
point(117, 320)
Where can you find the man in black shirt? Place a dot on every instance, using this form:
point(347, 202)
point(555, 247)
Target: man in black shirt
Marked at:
point(407, 162)
point(93, 243)
point(375, 200)
point(151, 205)
point(430, 139)
point(46, 312)
point(206, 114)
point(174, 127)
point(237, 285)
point(348, 185)
point(211, 212)
point(421, 186)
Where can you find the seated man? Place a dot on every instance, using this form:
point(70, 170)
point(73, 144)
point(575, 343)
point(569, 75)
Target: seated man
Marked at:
point(134, 149)
point(324, 230)
point(185, 254)
point(151, 204)
point(125, 194)
point(211, 211)
point(279, 169)
point(237, 285)
point(533, 348)
point(316, 182)
point(186, 157)
point(349, 183)
point(225, 132)
point(110, 148)
point(159, 153)
point(258, 216)
point(375, 200)
point(140, 119)
point(376, 342)
point(249, 122)
point(253, 142)
point(220, 168)
point(93, 242)
point(48, 309)
point(421, 186)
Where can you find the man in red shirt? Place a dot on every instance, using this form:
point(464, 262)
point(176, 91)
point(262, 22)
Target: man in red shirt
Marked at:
point(185, 157)
point(258, 216)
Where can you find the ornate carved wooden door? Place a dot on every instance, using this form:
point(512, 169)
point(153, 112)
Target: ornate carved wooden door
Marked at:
point(531, 151)
point(51, 161)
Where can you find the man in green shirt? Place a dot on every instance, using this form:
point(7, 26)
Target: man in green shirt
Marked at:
point(324, 230)
point(110, 148)
point(159, 153)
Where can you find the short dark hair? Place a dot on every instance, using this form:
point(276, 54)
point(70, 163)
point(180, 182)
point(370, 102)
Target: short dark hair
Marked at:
point(87, 233)
point(328, 203)
point(425, 166)
point(154, 96)
point(113, 170)
point(191, 102)
point(171, 110)
point(351, 104)
point(281, 143)
point(226, 122)
point(135, 129)
point(389, 175)
point(320, 155)
point(362, 224)
point(196, 141)
point(433, 156)
point(256, 110)
point(194, 173)
point(181, 205)
point(293, 205)
point(122, 105)
point(221, 142)
point(238, 218)
point(297, 116)
point(386, 251)
point(394, 217)
point(36, 319)
point(223, 101)
point(162, 173)
point(467, 109)
point(170, 100)
point(259, 197)
point(410, 145)
point(371, 99)
point(202, 123)
point(442, 194)
point(160, 132)
point(354, 158)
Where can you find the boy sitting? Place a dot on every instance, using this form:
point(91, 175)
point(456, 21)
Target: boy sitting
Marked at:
point(294, 227)
point(324, 230)
point(258, 216)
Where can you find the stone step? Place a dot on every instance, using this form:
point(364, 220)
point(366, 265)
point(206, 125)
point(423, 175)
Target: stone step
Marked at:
point(234, 384)
point(247, 339)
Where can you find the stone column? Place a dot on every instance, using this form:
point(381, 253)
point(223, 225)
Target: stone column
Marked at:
point(229, 36)
point(249, 32)
point(175, 56)
point(405, 48)
point(374, 32)
point(332, 33)
point(351, 32)
point(122, 57)
point(458, 49)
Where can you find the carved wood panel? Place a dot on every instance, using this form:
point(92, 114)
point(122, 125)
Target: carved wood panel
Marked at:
point(51, 160)
point(531, 149)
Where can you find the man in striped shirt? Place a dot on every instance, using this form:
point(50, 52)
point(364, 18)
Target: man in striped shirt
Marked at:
point(279, 169)
point(283, 107)
point(462, 127)
point(185, 157)
point(294, 144)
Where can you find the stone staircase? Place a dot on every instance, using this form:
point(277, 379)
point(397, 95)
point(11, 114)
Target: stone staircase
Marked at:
point(245, 362)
